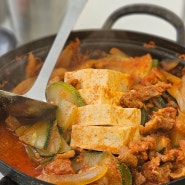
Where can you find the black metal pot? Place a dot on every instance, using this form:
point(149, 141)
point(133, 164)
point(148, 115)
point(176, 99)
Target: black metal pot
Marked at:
point(128, 41)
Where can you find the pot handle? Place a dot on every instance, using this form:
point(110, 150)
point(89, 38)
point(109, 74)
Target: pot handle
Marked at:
point(155, 10)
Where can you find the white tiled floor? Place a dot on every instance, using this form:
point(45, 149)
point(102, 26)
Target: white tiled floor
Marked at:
point(96, 12)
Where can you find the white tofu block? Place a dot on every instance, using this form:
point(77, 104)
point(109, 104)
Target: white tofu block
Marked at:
point(103, 138)
point(100, 95)
point(88, 78)
point(105, 114)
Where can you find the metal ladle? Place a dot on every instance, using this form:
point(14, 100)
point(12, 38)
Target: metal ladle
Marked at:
point(32, 105)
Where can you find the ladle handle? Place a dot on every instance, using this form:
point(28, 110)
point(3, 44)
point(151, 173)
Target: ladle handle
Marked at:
point(38, 89)
point(7, 181)
point(154, 10)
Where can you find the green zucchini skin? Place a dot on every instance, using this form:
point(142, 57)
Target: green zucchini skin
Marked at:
point(38, 135)
point(144, 116)
point(50, 144)
point(125, 174)
point(61, 90)
point(54, 143)
point(117, 173)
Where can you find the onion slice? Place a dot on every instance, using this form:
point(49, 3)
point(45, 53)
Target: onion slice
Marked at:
point(85, 177)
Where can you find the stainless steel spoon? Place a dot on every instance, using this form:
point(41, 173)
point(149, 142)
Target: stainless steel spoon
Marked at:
point(7, 41)
point(32, 105)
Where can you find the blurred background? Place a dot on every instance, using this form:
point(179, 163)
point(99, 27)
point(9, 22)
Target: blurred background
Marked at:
point(22, 21)
point(27, 20)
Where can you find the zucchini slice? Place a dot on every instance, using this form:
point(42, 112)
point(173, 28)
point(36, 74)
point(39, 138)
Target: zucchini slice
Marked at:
point(61, 90)
point(38, 135)
point(155, 62)
point(90, 158)
point(161, 102)
point(117, 173)
point(55, 140)
point(65, 114)
point(20, 130)
point(126, 174)
point(54, 143)
point(64, 147)
point(144, 116)
point(32, 153)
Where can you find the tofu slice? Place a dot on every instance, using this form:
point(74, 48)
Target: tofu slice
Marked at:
point(101, 95)
point(103, 138)
point(105, 114)
point(88, 78)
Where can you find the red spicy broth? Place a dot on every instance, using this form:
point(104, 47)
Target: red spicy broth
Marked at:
point(13, 153)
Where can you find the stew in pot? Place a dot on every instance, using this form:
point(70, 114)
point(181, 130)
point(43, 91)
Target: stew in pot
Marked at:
point(120, 120)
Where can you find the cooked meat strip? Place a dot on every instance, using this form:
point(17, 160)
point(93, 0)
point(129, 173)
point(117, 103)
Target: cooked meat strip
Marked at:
point(136, 97)
point(146, 143)
point(59, 166)
point(180, 172)
point(163, 119)
point(172, 155)
point(156, 173)
point(139, 178)
point(170, 101)
point(163, 167)
point(177, 158)
point(137, 151)
point(127, 157)
point(141, 148)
